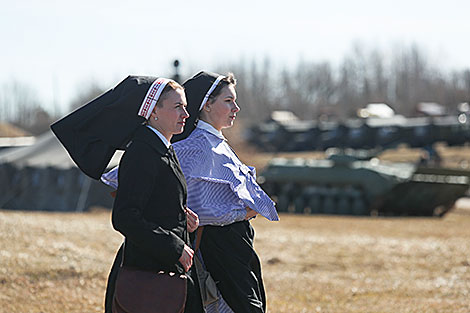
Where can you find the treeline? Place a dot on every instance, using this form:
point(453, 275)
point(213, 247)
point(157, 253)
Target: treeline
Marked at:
point(20, 106)
point(402, 80)
point(310, 89)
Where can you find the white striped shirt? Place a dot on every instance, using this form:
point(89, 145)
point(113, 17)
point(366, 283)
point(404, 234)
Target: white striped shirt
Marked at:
point(111, 178)
point(220, 186)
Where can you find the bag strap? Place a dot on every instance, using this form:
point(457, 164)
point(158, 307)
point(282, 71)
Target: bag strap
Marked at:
point(199, 231)
point(123, 248)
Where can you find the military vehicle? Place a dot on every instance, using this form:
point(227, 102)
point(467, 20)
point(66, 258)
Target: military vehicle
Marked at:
point(287, 134)
point(351, 180)
point(351, 183)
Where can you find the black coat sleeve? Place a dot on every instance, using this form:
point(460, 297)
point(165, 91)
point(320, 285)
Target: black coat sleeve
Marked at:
point(138, 171)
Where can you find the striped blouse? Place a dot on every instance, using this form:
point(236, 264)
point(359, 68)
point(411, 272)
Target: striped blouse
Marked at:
point(220, 186)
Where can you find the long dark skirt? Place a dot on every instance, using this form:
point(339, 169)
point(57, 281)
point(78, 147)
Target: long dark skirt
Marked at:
point(229, 256)
point(108, 299)
point(193, 298)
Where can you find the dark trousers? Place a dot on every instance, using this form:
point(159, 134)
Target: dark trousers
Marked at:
point(230, 258)
point(193, 298)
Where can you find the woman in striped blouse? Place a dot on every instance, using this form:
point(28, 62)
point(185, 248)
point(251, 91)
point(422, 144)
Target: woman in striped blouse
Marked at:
point(224, 193)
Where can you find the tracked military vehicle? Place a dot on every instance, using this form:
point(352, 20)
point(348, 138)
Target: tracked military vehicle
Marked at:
point(288, 134)
point(354, 185)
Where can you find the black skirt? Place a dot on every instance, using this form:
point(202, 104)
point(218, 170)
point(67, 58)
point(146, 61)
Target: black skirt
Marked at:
point(229, 256)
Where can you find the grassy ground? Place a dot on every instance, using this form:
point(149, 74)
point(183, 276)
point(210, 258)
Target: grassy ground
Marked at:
point(55, 262)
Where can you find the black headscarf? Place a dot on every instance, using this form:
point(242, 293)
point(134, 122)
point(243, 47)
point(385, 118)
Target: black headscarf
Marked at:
point(197, 90)
point(92, 133)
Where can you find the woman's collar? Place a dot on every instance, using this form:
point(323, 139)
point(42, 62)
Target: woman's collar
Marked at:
point(160, 135)
point(208, 127)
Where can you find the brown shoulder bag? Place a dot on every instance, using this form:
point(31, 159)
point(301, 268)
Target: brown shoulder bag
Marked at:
point(139, 291)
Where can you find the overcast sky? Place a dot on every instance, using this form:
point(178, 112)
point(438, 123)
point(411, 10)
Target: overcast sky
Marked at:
point(58, 47)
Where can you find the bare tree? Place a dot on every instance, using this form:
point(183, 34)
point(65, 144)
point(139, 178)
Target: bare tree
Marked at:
point(85, 95)
point(256, 89)
point(401, 80)
point(20, 106)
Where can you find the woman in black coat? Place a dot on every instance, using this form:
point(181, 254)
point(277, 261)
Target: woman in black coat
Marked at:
point(149, 209)
point(140, 115)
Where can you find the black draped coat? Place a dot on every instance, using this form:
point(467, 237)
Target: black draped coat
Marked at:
point(149, 205)
point(149, 212)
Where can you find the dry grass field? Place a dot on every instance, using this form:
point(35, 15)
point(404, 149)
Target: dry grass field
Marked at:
point(56, 262)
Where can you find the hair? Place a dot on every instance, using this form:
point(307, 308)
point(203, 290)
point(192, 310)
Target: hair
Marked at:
point(229, 79)
point(193, 108)
point(171, 85)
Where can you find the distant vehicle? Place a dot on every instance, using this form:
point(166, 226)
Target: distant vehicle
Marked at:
point(292, 134)
point(352, 181)
point(348, 184)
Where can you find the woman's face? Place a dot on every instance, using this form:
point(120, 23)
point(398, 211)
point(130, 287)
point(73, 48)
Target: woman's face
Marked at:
point(171, 114)
point(221, 112)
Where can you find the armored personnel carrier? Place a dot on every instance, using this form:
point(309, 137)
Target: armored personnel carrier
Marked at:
point(348, 184)
point(288, 134)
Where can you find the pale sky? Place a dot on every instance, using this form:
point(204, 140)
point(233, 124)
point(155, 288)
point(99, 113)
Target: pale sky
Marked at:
point(58, 47)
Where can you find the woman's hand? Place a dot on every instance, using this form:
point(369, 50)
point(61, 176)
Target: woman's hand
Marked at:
point(186, 258)
point(192, 220)
point(250, 213)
